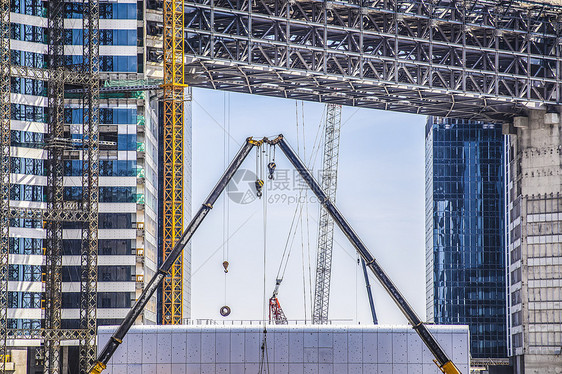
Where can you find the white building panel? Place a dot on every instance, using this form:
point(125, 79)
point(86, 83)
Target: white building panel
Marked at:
point(291, 349)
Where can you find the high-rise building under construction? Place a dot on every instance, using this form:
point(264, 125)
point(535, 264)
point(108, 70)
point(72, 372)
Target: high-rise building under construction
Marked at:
point(130, 50)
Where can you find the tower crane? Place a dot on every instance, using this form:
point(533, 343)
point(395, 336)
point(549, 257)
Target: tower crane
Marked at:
point(326, 224)
point(441, 358)
point(173, 85)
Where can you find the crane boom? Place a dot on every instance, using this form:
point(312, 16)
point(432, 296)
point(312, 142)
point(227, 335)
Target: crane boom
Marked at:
point(441, 358)
point(158, 278)
point(326, 225)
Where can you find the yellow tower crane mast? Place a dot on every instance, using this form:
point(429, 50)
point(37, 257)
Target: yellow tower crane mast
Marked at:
point(173, 34)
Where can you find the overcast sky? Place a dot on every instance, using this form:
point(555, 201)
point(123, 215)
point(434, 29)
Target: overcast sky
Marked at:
point(380, 192)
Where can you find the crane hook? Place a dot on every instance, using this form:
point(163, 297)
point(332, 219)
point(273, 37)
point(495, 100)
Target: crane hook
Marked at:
point(225, 266)
point(259, 186)
point(271, 168)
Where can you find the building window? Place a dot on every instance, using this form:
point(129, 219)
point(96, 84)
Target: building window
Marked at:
point(30, 166)
point(108, 116)
point(516, 297)
point(26, 273)
point(105, 273)
point(22, 112)
point(517, 340)
point(106, 194)
point(26, 192)
point(29, 59)
point(26, 86)
point(29, 7)
point(516, 276)
point(26, 223)
point(115, 246)
point(28, 324)
point(26, 246)
point(115, 221)
point(71, 300)
point(28, 33)
point(27, 139)
point(24, 300)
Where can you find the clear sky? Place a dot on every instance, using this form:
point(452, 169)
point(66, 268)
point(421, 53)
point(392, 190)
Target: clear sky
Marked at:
point(380, 192)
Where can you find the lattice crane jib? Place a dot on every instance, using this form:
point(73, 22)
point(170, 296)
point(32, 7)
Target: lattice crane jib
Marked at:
point(172, 288)
point(90, 176)
point(326, 224)
point(4, 171)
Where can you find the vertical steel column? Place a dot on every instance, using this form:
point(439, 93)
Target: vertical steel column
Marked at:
point(5, 85)
point(90, 174)
point(172, 288)
point(326, 224)
point(55, 186)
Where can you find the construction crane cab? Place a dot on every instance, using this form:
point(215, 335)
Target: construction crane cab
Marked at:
point(441, 358)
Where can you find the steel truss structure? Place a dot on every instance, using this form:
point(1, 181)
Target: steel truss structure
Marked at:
point(58, 211)
point(5, 106)
point(326, 224)
point(172, 287)
point(481, 59)
point(55, 185)
point(90, 179)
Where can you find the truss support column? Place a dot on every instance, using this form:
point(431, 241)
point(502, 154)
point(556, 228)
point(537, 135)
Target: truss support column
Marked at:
point(5, 85)
point(172, 288)
point(55, 186)
point(326, 224)
point(90, 192)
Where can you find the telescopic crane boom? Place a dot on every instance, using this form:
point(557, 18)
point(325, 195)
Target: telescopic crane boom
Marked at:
point(441, 358)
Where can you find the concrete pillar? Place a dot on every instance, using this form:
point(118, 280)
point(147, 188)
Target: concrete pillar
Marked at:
point(534, 177)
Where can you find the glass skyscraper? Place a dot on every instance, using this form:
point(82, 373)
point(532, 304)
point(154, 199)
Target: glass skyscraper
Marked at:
point(465, 233)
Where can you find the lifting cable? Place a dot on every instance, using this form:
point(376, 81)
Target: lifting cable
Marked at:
point(297, 214)
point(264, 359)
point(225, 310)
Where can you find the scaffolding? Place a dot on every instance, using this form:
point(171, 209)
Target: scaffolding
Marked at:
point(58, 75)
point(5, 86)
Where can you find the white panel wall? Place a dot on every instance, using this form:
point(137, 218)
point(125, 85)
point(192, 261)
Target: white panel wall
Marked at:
point(290, 349)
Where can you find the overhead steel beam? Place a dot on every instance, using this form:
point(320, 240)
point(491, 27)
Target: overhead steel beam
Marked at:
point(470, 59)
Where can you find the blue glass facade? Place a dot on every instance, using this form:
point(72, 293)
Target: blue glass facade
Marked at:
point(465, 232)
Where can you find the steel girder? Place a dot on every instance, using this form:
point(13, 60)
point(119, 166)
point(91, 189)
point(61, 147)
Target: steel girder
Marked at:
point(65, 215)
point(90, 179)
point(69, 77)
point(47, 334)
point(5, 88)
point(469, 59)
